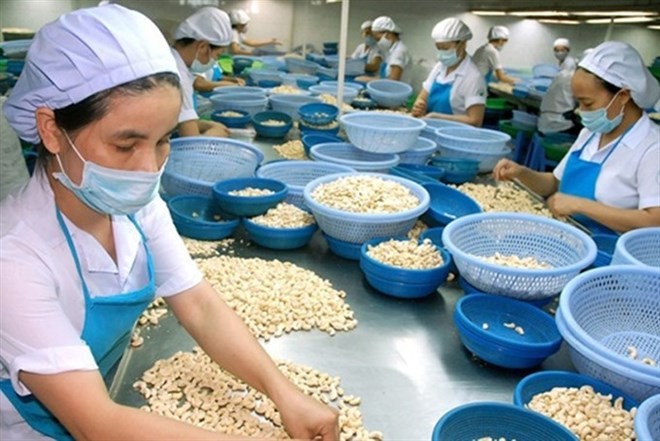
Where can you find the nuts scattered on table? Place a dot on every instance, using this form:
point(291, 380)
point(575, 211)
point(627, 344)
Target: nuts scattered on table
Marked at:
point(251, 192)
point(505, 196)
point(285, 215)
point(206, 248)
point(417, 230)
point(408, 254)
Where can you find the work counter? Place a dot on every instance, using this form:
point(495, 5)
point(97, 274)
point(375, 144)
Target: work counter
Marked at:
point(530, 102)
point(404, 359)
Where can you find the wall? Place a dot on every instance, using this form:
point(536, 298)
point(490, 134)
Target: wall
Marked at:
point(31, 14)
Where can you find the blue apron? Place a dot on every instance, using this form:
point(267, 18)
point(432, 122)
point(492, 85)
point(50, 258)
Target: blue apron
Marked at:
point(107, 331)
point(439, 98)
point(579, 179)
point(490, 77)
point(383, 70)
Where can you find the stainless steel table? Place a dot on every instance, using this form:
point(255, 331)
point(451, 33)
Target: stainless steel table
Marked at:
point(404, 359)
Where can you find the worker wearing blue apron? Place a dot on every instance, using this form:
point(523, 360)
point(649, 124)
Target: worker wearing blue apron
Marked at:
point(608, 181)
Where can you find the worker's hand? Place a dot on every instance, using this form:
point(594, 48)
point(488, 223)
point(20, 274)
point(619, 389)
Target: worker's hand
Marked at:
point(563, 205)
point(306, 418)
point(506, 170)
point(238, 81)
point(419, 108)
point(212, 128)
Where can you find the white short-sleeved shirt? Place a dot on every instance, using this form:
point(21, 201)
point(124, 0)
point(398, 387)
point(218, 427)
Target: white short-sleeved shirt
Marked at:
point(630, 178)
point(398, 56)
point(487, 58)
point(468, 89)
point(558, 100)
point(188, 112)
point(569, 64)
point(42, 313)
point(369, 53)
point(237, 37)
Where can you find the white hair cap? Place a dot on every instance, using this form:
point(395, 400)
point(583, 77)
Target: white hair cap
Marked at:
point(562, 42)
point(620, 64)
point(451, 29)
point(366, 25)
point(586, 52)
point(239, 17)
point(498, 33)
point(385, 24)
point(209, 24)
point(80, 54)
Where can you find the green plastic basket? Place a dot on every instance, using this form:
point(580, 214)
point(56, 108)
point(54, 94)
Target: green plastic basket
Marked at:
point(507, 127)
point(498, 104)
point(555, 152)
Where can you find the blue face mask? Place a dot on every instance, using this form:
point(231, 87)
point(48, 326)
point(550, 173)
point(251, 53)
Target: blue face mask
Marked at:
point(448, 57)
point(109, 190)
point(598, 122)
point(199, 67)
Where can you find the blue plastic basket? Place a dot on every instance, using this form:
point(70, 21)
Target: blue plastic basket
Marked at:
point(268, 84)
point(239, 89)
point(350, 93)
point(382, 132)
point(267, 131)
point(248, 102)
point(469, 289)
point(647, 420)
point(364, 103)
point(198, 217)
point(389, 93)
point(420, 152)
point(449, 204)
point(290, 103)
point(335, 84)
point(311, 139)
point(486, 160)
point(402, 282)
point(565, 248)
point(360, 227)
point(198, 162)
point(606, 244)
point(327, 129)
point(248, 205)
point(638, 247)
point(257, 75)
point(545, 71)
point(318, 113)
point(498, 420)
point(279, 238)
point(427, 170)
point(234, 122)
point(346, 154)
point(346, 250)
point(432, 124)
point(296, 65)
point(457, 170)
point(605, 311)
point(292, 79)
point(471, 138)
point(327, 73)
point(540, 382)
point(297, 174)
point(498, 344)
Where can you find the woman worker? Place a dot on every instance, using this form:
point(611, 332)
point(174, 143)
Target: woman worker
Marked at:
point(455, 90)
point(487, 57)
point(368, 49)
point(87, 243)
point(609, 179)
point(562, 48)
point(239, 23)
point(397, 63)
point(200, 39)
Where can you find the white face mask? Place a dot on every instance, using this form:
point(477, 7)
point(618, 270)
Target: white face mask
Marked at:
point(199, 67)
point(561, 55)
point(384, 44)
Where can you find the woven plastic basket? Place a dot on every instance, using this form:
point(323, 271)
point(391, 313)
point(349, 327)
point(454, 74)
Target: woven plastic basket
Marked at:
point(477, 140)
point(647, 420)
point(346, 154)
point(196, 163)
point(611, 309)
point(257, 75)
point(299, 66)
point(638, 247)
point(297, 174)
point(565, 248)
point(292, 79)
point(389, 93)
point(487, 160)
point(239, 89)
point(382, 132)
point(360, 227)
point(248, 102)
point(420, 152)
point(290, 103)
point(350, 93)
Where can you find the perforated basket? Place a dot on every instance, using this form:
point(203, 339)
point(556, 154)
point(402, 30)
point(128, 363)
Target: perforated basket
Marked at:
point(360, 227)
point(297, 174)
point(382, 132)
point(473, 139)
point(419, 153)
point(350, 93)
point(638, 247)
point(248, 102)
point(609, 310)
point(196, 163)
point(487, 160)
point(292, 79)
point(647, 420)
point(565, 248)
point(295, 65)
point(290, 103)
point(389, 93)
point(346, 154)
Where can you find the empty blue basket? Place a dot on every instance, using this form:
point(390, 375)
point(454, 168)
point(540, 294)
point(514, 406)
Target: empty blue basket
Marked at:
point(389, 93)
point(382, 132)
point(638, 247)
point(346, 154)
point(647, 420)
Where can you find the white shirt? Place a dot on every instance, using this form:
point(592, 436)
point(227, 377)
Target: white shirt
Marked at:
point(369, 53)
point(398, 56)
point(187, 112)
point(569, 64)
point(630, 178)
point(558, 100)
point(43, 309)
point(468, 89)
point(487, 58)
point(237, 37)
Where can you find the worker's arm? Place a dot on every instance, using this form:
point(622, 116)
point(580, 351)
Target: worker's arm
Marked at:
point(261, 43)
point(201, 84)
point(80, 402)
point(474, 116)
point(618, 219)
point(226, 339)
point(396, 72)
point(236, 49)
point(374, 66)
point(421, 104)
point(198, 127)
point(504, 78)
point(542, 183)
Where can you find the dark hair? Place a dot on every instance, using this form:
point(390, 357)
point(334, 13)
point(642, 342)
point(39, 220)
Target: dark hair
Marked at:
point(611, 88)
point(76, 116)
point(188, 41)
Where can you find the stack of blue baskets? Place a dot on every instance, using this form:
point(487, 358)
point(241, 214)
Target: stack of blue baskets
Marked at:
point(638, 247)
point(483, 145)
